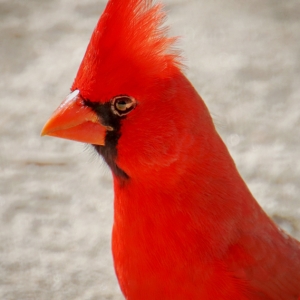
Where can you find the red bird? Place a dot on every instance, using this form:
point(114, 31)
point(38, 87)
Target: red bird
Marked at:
point(185, 224)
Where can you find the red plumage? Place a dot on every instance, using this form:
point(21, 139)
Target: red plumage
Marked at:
point(185, 224)
point(127, 51)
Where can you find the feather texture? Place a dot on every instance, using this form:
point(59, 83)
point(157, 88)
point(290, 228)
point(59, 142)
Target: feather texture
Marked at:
point(128, 49)
point(186, 226)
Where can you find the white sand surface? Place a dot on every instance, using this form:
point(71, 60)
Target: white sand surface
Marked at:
point(56, 195)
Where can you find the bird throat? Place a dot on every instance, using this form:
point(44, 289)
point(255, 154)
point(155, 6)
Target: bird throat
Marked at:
point(109, 154)
point(109, 151)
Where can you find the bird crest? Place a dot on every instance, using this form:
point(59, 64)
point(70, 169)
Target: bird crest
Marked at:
point(129, 49)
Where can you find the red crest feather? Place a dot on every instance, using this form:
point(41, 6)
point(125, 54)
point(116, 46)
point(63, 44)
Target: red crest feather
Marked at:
point(128, 50)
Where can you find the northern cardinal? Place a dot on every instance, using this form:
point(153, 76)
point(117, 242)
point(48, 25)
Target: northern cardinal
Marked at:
point(185, 224)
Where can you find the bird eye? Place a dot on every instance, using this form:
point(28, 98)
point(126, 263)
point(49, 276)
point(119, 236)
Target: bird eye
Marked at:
point(122, 105)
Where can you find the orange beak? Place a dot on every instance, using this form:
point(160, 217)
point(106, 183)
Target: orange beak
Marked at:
point(74, 121)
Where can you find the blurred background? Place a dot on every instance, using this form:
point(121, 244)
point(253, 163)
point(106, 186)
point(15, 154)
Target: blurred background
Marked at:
point(56, 196)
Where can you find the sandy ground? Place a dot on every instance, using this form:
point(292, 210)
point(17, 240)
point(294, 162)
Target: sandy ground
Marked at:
point(56, 195)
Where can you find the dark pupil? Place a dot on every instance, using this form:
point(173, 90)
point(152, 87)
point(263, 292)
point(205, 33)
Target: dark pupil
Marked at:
point(122, 104)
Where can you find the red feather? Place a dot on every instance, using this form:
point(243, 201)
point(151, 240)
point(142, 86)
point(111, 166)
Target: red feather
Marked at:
point(127, 51)
point(185, 224)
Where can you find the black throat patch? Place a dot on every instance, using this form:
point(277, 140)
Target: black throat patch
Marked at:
point(109, 151)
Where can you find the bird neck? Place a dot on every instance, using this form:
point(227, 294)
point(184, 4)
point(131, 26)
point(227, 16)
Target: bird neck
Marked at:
point(204, 192)
point(196, 186)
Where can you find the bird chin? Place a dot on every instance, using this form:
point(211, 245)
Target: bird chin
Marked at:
point(109, 157)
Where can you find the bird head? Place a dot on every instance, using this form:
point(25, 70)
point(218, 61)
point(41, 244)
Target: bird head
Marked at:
point(129, 98)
